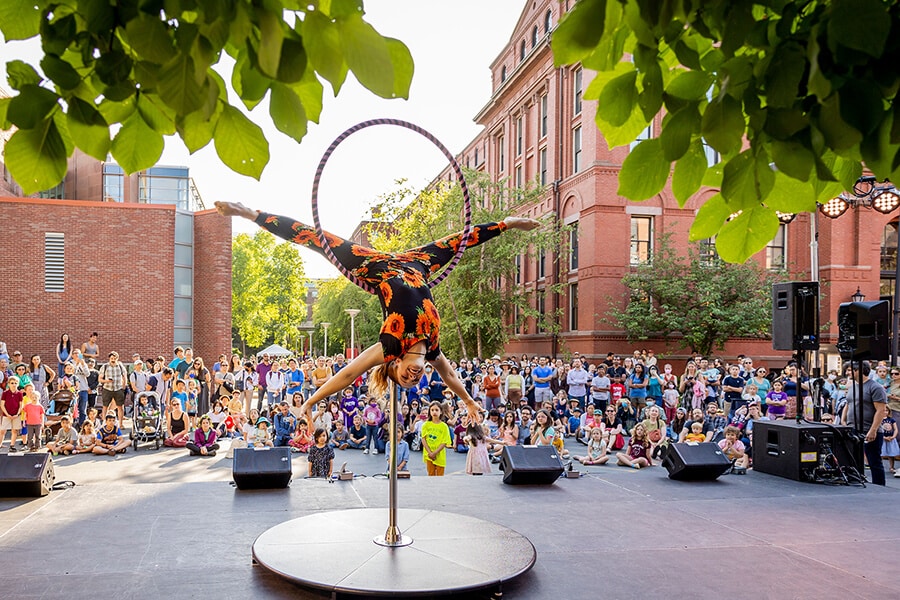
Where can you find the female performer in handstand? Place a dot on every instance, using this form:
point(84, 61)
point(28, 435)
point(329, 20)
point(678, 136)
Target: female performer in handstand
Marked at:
point(411, 329)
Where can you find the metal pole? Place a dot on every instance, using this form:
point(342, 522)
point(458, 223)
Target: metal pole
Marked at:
point(393, 537)
point(895, 322)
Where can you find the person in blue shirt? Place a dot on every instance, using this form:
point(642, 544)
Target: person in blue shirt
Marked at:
point(285, 424)
point(293, 379)
point(402, 452)
point(542, 375)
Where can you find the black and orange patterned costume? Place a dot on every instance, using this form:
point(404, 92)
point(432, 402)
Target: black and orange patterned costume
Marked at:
point(399, 277)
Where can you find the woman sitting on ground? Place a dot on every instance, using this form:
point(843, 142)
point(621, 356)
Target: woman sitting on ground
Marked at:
point(178, 426)
point(204, 443)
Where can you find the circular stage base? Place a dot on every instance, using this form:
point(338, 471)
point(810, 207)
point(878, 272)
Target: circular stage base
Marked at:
point(450, 554)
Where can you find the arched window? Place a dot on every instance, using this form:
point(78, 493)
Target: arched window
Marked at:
point(548, 21)
point(889, 258)
point(534, 36)
point(522, 50)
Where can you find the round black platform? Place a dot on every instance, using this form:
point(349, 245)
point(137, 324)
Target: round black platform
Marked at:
point(450, 553)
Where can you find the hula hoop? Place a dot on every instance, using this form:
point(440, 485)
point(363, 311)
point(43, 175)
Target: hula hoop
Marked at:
point(326, 247)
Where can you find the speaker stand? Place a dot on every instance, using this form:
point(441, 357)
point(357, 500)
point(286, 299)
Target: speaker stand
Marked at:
point(348, 552)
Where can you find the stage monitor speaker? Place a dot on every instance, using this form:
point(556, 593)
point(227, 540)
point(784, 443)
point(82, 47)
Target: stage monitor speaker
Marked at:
point(695, 462)
point(795, 315)
point(797, 450)
point(530, 465)
point(261, 469)
point(864, 330)
point(26, 475)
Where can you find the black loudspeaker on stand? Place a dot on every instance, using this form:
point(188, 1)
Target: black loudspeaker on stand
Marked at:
point(808, 452)
point(530, 465)
point(26, 475)
point(795, 315)
point(695, 462)
point(261, 469)
point(863, 330)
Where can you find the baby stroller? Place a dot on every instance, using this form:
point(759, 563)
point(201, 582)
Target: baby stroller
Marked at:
point(64, 405)
point(147, 428)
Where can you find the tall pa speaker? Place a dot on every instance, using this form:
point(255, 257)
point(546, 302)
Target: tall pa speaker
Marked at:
point(795, 315)
point(265, 468)
point(530, 465)
point(695, 462)
point(26, 475)
point(863, 330)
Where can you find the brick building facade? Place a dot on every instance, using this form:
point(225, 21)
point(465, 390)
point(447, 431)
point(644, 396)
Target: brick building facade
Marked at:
point(537, 129)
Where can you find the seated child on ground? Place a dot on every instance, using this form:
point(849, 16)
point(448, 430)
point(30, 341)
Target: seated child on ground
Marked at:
point(596, 451)
point(696, 435)
point(733, 448)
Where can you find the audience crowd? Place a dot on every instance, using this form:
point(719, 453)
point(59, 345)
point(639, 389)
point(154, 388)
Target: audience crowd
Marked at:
point(624, 410)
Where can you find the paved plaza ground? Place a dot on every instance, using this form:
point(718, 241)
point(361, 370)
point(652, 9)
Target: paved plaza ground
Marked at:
point(158, 524)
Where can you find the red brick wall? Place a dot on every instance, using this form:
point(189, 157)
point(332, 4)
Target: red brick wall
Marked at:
point(212, 285)
point(118, 276)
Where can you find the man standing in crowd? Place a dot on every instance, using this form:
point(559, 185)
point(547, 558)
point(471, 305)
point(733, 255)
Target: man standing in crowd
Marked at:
point(600, 389)
point(874, 410)
point(543, 374)
point(577, 378)
point(113, 379)
point(262, 371)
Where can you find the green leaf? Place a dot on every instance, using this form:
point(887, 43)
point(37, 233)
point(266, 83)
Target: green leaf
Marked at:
point(678, 130)
point(4, 106)
point(863, 25)
point(61, 72)
point(36, 158)
point(838, 134)
point(402, 61)
point(156, 114)
point(322, 41)
point(689, 85)
point(271, 38)
point(31, 106)
point(20, 20)
point(793, 158)
point(136, 146)
point(791, 195)
point(250, 84)
point(784, 73)
point(240, 143)
point(292, 64)
point(310, 90)
point(723, 124)
point(367, 55)
point(644, 172)
point(689, 171)
point(196, 131)
point(747, 179)
point(179, 87)
point(709, 218)
point(579, 32)
point(750, 232)
point(88, 129)
point(19, 74)
point(117, 112)
point(617, 100)
point(287, 111)
point(150, 37)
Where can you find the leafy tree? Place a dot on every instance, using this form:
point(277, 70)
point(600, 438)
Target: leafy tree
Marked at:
point(479, 297)
point(267, 290)
point(693, 303)
point(335, 296)
point(808, 86)
point(148, 65)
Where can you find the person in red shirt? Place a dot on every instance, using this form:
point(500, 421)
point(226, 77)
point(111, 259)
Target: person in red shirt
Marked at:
point(34, 418)
point(10, 411)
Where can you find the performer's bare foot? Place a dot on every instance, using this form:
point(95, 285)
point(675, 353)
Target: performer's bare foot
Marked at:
point(521, 223)
point(235, 209)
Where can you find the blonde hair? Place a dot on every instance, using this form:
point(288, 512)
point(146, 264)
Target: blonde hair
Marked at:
point(379, 379)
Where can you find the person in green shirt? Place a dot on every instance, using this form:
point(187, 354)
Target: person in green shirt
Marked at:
point(435, 440)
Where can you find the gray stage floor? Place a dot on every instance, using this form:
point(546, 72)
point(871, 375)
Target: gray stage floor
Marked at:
point(159, 524)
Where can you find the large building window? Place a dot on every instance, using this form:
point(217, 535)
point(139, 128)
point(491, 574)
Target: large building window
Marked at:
point(577, 91)
point(165, 185)
point(501, 153)
point(544, 108)
point(548, 21)
point(542, 261)
point(646, 134)
point(541, 310)
point(518, 269)
point(573, 307)
point(534, 36)
point(184, 278)
point(54, 262)
point(502, 73)
point(113, 183)
point(543, 159)
point(712, 155)
point(522, 50)
point(776, 250)
point(576, 149)
point(57, 192)
point(520, 181)
point(641, 239)
point(573, 247)
point(519, 135)
point(889, 259)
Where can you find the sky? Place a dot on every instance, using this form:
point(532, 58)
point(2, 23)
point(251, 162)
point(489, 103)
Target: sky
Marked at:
point(452, 44)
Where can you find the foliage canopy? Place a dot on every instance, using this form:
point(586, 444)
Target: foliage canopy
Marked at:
point(148, 65)
point(807, 87)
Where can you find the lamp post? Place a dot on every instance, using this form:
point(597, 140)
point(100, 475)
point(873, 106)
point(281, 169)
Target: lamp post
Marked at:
point(325, 326)
point(352, 312)
point(858, 296)
point(310, 343)
point(884, 198)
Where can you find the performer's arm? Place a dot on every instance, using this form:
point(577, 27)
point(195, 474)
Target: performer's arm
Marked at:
point(371, 357)
point(453, 382)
